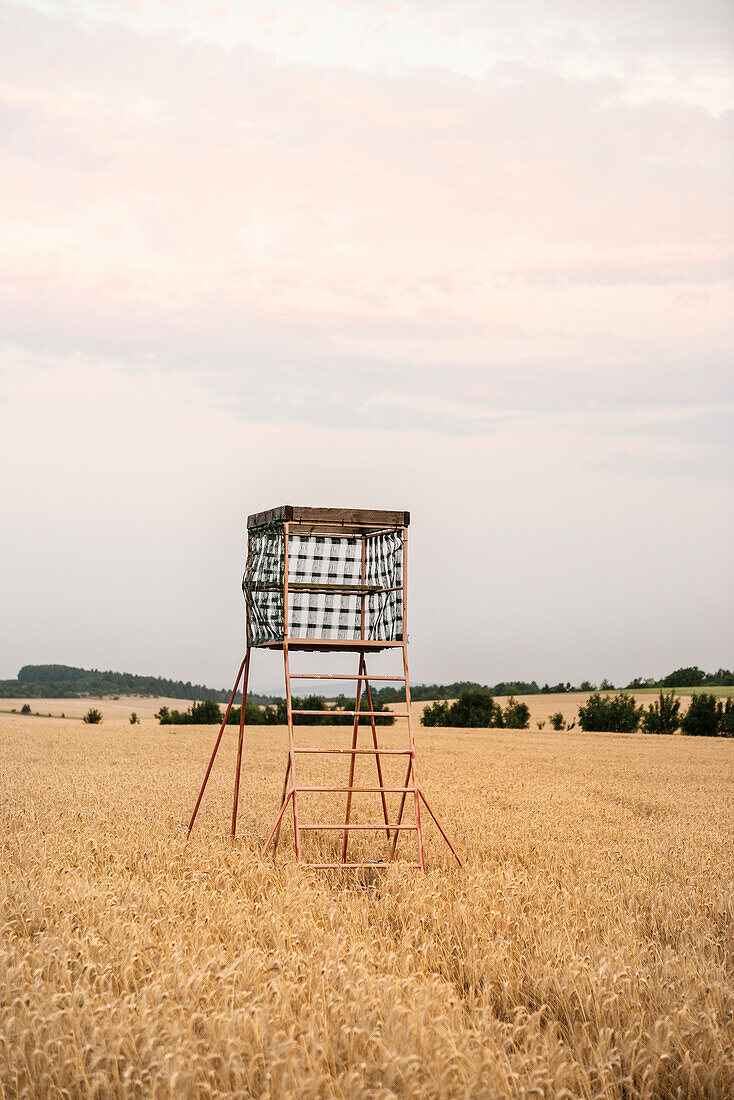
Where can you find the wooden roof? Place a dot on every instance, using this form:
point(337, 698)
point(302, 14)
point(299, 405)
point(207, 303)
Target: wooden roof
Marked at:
point(365, 518)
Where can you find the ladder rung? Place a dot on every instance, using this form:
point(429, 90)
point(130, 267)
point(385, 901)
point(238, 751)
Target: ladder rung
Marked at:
point(374, 866)
point(363, 752)
point(358, 790)
point(354, 713)
point(340, 676)
point(381, 827)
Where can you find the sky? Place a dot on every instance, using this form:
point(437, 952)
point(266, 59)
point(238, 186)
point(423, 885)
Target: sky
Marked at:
point(473, 260)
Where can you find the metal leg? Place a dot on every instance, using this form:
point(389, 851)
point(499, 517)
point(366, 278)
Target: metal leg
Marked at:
point(440, 829)
point(412, 759)
point(276, 824)
point(239, 746)
point(400, 811)
point(374, 742)
point(216, 746)
point(282, 800)
point(355, 734)
point(291, 747)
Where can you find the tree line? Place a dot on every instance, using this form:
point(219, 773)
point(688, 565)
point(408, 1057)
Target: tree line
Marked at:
point(706, 716)
point(208, 712)
point(70, 682)
point(681, 677)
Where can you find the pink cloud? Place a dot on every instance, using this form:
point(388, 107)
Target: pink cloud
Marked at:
point(172, 188)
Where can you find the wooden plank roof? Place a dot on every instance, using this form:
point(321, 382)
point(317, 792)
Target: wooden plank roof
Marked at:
point(339, 517)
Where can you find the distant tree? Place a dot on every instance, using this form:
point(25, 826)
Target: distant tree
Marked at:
point(206, 713)
point(516, 715)
point(25, 709)
point(703, 718)
point(606, 685)
point(256, 715)
point(309, 702)
point(684, 677)
point(662, 715)
point(723, 677)
point(586, 685)
point(93, 717)
point(437, 714)
point(726, 726)
point(474, 709)
point(515, 687)
point(618, 714)
point(557, 721)
point(134, 720)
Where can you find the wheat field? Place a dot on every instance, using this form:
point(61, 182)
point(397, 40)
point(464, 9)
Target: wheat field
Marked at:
point(585, 950)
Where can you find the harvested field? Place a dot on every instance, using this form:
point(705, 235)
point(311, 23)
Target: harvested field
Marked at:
point(585, 950)
point(112, 709)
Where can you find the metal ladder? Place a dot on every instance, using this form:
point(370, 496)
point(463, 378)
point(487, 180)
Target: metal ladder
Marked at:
point(291, 792)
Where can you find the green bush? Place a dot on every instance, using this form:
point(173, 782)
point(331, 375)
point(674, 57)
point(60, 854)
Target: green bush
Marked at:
point(25, 709)
point(557, 721)
point(474, 709)
point(516, 715)
point(615, 714)
point(93, 717)
point(206, 713)
point(705, 717)
point(258, 716)
point(436, 715)
point(134, 720)
point(726, 726)
point(477, 709)
point(662, 715)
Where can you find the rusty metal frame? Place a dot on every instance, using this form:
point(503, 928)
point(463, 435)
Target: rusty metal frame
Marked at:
point(291, 789)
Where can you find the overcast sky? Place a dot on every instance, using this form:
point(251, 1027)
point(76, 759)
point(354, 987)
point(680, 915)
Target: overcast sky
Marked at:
point(469, 259)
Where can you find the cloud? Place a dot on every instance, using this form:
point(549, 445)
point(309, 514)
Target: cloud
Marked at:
point(268, 220)
point(130, 492)
point(482, 270)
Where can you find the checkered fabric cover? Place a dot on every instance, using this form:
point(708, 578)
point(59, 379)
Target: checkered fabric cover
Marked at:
point(262, 585)
point(324, 560)
point(319, 559)
point(384, 610)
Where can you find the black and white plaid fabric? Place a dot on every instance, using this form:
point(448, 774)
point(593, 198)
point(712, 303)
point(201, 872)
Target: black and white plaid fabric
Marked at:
point(317, 559)
point(324, 615)
point(262, 585)
point(324, 560)
point(385, 567)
